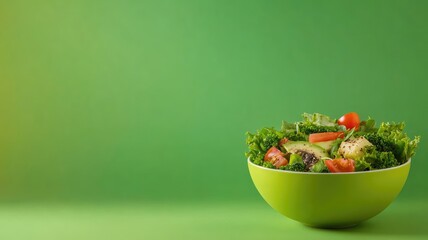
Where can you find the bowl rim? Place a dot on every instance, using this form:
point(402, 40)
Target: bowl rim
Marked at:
point(329, 173)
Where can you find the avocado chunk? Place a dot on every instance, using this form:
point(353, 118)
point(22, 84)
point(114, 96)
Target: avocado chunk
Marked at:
point(309, 152)
point(354, 148)
point(326, 144)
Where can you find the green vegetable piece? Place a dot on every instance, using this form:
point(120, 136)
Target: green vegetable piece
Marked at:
point(391, 138)
point(292, 133)
point(295, 167)
point(327, 145)
point(268, 165)
point(319, 167)
point(379, 160)
point(335, 147)
point(295, 158)
point(367, 126)
point(308, 128)
point(316, 123)
point(362, 165)
point(319, 119)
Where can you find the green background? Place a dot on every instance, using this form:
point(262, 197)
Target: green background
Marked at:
point(117, 103)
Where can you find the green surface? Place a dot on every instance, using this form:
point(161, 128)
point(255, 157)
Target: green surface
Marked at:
point(128, 101)
point(402, 220)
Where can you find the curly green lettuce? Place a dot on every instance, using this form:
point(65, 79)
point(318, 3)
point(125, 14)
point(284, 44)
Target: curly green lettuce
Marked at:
point(316, 123)
point(374, 159)
point(311, 123)
point(362, 165)
point(390, 137)
point(268, 165)
point(292, 133)
point(295, 167)
point(260, 142)
point(319, 119)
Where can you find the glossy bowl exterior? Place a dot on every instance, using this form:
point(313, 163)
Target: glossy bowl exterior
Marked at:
point(329, 200)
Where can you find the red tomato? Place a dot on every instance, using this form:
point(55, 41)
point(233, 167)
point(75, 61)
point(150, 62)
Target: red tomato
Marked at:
point(340, 165)
point(350, 120)
point(272, 152)
point(283, 141)
point(325, 136)
point(276, 157)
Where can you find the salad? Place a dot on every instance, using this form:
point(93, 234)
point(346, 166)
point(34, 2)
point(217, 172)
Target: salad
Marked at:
point(319, 143)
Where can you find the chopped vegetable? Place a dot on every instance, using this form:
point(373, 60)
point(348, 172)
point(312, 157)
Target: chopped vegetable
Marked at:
point(362, 165)
point(276, 157)
point(308, 128)
point(354, 148)
point(327, 145)
point(309, 152)
point(291, 132)
point(296, 167)
point(379, 160)
point(368, 126)
point(340, 165)
point(319, 119)
point(295, 158)
point(319, 166)
point(325, 136)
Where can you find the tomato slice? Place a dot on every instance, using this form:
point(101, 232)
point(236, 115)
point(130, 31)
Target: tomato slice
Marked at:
point(276, 157)
point(272, 152)
point(350, 120)
point(340, 165)
point(325, 136)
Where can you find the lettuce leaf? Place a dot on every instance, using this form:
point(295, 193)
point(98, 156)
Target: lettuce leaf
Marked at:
point(376, 160)
point(318, 119)
point(260, 142)
point(390, 137)
point(292, 132)
point(317, 122)
point(362, 165)
point(367, 126)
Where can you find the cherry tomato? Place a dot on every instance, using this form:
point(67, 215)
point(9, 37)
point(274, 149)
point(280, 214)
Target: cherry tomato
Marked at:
point(340, 165)
point(276, 157)
point(325, 136)
point(350, 120)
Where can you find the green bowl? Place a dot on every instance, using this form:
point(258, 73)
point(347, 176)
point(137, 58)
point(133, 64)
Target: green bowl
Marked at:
point(329, 200)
